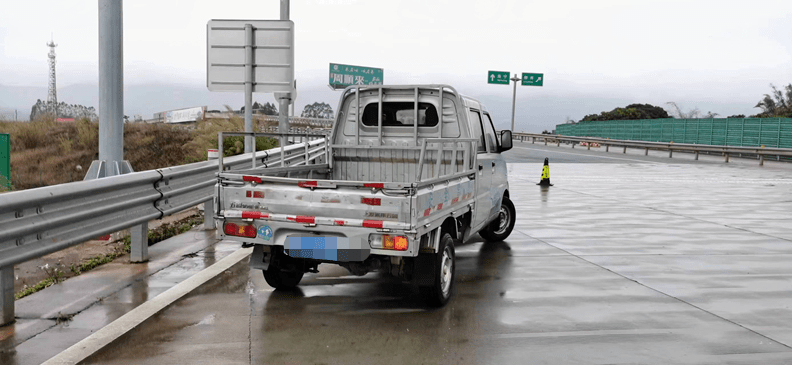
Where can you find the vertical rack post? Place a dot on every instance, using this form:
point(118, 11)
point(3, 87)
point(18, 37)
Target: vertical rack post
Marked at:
point(379, 118)
point(440, 114)
point(220, 150)
point(415, 125)
point(358, 119)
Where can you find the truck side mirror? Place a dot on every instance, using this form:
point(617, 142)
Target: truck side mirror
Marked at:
point(505, 140)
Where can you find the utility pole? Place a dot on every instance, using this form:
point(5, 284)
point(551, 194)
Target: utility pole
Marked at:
point(514, 79)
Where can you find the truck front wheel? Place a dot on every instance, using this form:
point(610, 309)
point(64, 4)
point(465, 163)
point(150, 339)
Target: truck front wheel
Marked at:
point(442, 288)
point(282, 280)
point(503, 224)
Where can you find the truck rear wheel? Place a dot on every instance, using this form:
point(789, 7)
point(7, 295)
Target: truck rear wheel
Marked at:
point(282, 280)
point(438, 294)
point(503, 225)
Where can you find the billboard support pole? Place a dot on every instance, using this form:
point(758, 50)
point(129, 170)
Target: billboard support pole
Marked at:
point(249, 75)
point(111, 85)
point(284, 99)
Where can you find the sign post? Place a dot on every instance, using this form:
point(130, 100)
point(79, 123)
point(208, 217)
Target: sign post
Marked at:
point(514, 98)
point(342, 76)
point(250, 56)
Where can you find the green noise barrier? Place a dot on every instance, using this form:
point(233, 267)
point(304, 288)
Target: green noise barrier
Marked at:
point(751, 132)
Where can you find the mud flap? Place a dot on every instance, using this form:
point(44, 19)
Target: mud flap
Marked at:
point(260, 260)
point(424, 269)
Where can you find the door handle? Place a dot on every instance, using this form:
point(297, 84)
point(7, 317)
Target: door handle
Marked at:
point(493, 163)
point(481, 167)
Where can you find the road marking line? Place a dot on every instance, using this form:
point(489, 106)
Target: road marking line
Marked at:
point(586, 155)
point(103, 337)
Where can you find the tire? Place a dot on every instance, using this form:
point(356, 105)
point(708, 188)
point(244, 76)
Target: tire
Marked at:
point(282, 280)
point(443, 287)
point(503, 225)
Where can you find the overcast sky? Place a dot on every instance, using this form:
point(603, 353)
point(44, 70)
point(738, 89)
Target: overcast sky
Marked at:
point(717, 56)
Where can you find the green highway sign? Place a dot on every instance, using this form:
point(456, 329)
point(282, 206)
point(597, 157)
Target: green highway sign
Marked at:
point(532, 79)
point(498, 77)
point(342, 76)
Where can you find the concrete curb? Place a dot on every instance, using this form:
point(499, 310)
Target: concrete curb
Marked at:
point(95, 342)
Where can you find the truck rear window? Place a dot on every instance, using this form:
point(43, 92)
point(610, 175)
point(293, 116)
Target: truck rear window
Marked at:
point(400, 114)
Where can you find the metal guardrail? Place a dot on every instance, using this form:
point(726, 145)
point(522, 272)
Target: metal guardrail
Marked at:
point(727, 151)
point(37, 222)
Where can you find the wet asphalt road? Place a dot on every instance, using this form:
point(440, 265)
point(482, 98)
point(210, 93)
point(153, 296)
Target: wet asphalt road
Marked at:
point(647, 261)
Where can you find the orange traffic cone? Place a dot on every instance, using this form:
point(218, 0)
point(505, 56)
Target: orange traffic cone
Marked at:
point(545, 175)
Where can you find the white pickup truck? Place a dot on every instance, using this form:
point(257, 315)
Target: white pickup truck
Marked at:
point(407, 173)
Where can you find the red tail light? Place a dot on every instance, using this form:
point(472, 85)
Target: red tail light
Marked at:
point(233, 229)
point(371, 201)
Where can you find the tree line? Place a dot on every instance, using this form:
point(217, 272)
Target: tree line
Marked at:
point(777, 104)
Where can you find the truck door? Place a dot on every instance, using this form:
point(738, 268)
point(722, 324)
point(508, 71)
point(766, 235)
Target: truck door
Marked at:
point(499, 172)
point(483, 174)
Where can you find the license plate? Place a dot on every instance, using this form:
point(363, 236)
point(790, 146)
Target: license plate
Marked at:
point(323, 248)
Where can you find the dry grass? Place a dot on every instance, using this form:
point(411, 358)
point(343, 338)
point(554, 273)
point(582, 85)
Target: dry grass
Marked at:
point(44, 152)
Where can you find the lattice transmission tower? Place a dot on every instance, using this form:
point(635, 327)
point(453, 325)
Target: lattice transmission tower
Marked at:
point(52, 96)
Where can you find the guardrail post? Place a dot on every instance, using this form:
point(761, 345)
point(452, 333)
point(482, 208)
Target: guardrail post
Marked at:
point(558, 143)
point(139, 247)
point(625, 150)
point(670, 153)
point(209, 222)
point(533, 140)
point(646, 151)
point(588, 146)
point(607, 147)
point(7, 286)
point(761, 160)
point(727, 157)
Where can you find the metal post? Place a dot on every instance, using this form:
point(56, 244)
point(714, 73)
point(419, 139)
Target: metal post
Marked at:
point(7, 286)
point(111, 84)
point(209, 222)
point(284, 10)
point(625, 149)
point(607, 148)
point(415, 118)
point(646, 152)
point(727, 157)
point(697, 154)
point(514, 97)
point(285, 100)
point(761, 160)
point(249, 75)
point(670, 153)
point(440, 116)
point(138, 250)
point(379, 118)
